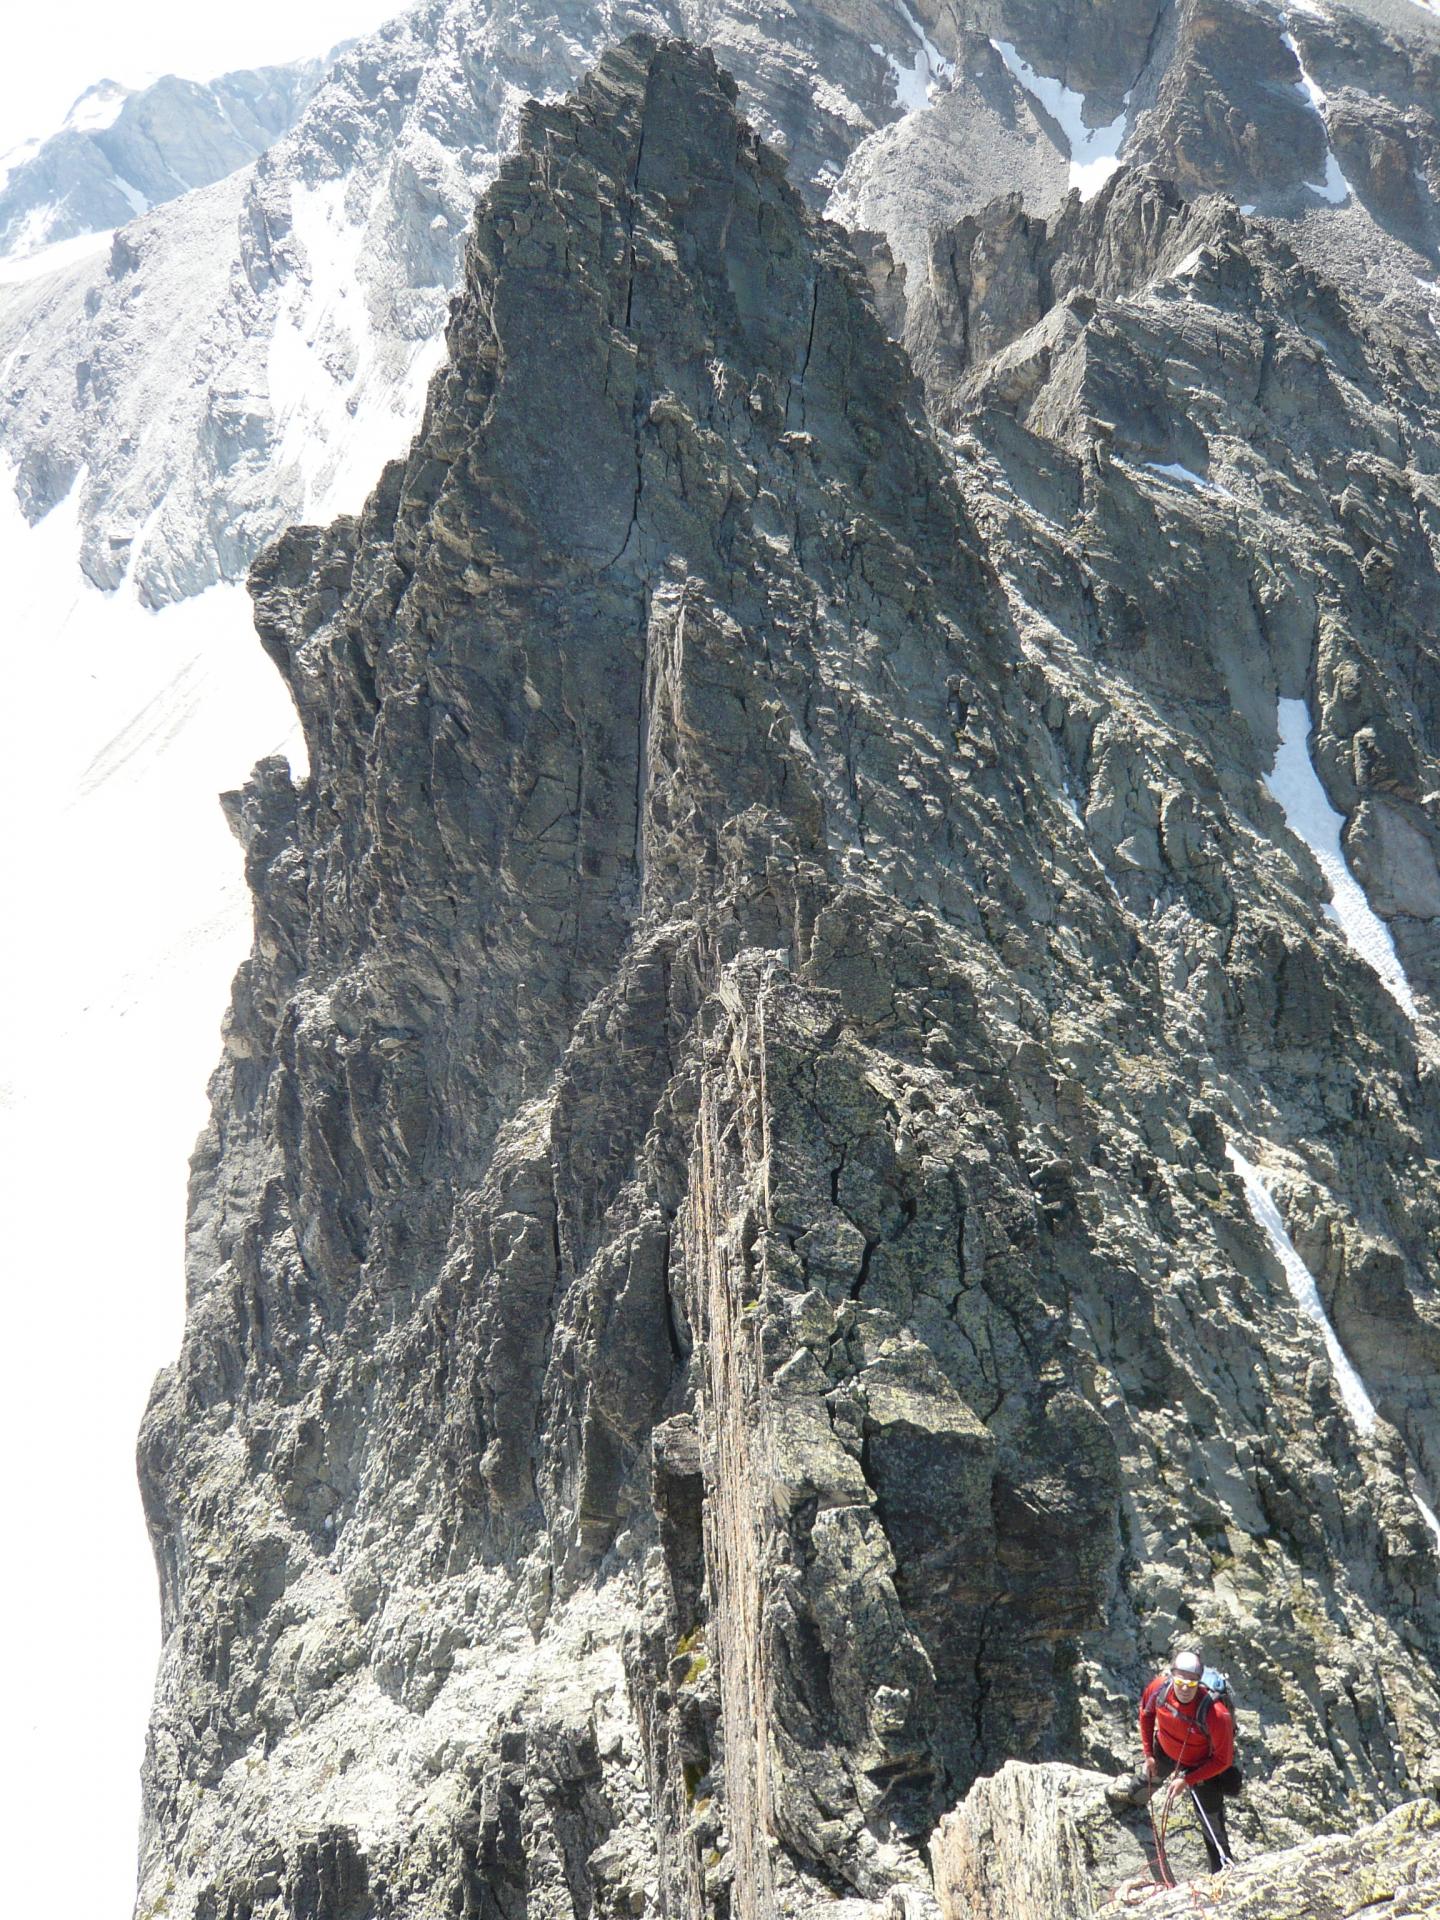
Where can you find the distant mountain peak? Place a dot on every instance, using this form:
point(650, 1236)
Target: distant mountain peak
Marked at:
point(122, 150)
point(97, 107)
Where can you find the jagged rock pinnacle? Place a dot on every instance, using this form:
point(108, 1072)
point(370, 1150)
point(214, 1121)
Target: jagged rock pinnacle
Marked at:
point(719, 1311)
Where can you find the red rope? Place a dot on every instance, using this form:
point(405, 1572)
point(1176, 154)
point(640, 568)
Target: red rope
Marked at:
point(1142, 1886)
point(1167, 1878)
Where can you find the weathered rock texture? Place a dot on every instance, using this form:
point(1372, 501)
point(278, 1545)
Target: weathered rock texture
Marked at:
point(1390, 1867)
point(719, 1310)
point(1040, 1840)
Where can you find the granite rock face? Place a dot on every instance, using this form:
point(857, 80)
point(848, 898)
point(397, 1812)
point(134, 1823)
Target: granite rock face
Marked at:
point(1143, 345)
point(720, 1310)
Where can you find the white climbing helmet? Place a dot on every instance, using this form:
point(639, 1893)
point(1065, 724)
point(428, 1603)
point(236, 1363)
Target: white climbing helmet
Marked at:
point(1187, 1668)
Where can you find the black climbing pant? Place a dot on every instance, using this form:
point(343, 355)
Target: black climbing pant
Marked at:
point(1211, 1796)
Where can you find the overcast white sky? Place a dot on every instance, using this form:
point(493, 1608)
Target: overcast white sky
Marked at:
point(54, 51)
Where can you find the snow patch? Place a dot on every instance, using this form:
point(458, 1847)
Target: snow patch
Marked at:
point(1183, 476)
point(929, 72)
point(1334, 188)
point(1310, 817)
point(1072, 805)
point(1431, 294)
point(1094, 151)
point(54, 258)
point(137, 200)
point(1353, 1390)
point(97, 108)
point(340, 418)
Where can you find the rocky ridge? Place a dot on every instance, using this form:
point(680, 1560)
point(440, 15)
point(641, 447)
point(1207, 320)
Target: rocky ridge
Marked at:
point(320, 278)
point(123, 151)
point(721, 1312)
point(313, 285)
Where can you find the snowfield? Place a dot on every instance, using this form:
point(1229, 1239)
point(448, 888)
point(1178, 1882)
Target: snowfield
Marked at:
point(339, 419)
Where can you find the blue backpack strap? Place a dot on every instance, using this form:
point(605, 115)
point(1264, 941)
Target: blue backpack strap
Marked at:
point(1202, 1712)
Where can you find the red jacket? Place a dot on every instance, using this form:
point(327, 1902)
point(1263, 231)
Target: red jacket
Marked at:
point(1201, 1752)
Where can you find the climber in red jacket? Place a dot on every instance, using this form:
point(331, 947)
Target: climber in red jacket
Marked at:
point(1187, 1726)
